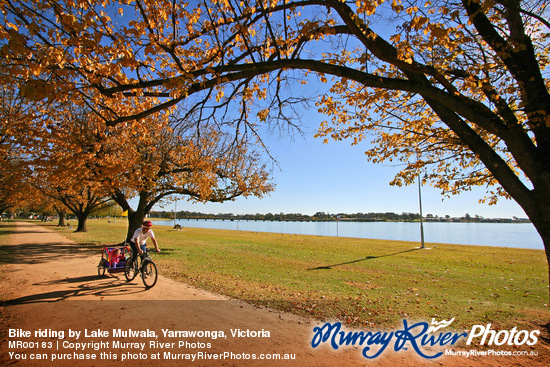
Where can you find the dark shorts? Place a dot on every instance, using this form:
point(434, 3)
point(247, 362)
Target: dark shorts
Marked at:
point(135, 250)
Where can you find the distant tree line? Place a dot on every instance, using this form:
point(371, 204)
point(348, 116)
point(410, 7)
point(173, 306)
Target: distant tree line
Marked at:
point(322, 216)
point(319, 216)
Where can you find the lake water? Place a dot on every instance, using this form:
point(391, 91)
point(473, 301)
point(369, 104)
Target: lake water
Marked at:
point(522, 235)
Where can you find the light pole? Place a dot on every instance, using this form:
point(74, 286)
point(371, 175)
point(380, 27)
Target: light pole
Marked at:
point(175, 212)
point(420, 201)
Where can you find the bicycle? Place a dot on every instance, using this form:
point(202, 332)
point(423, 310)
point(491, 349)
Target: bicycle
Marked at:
point(144, 265)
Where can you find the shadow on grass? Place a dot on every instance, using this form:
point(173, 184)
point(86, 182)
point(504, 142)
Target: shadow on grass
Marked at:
point(328, 267)
point(83, 286)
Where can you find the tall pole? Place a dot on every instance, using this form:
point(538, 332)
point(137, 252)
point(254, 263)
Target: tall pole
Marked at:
point(175, 212)
point(420, 201)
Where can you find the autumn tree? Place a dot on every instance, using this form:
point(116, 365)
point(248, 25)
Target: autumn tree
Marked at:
point(16, 170)
point(456, 89)
point(15, 117)
point(86, 165)
point(81, 203)
point(28, 174)
point(64, 153)
point(199, 165)
point(12, 176)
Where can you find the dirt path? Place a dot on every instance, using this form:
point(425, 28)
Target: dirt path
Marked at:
point(52, 286)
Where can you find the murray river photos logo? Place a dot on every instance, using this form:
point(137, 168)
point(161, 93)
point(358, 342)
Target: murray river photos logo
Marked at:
point(418, 336)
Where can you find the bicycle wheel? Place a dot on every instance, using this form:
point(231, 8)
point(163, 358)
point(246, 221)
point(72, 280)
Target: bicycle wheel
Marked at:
point(130, 270)
point(101, 268)
point(149, 273)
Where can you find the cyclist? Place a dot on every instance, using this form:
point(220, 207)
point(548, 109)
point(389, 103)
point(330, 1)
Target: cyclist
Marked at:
point(137, 243)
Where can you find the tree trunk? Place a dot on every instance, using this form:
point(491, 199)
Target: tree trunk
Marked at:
point(541, 220)
point(61, 222)
point(546, 242)
point(135, 218)
point(547, 249)
point(82, 218)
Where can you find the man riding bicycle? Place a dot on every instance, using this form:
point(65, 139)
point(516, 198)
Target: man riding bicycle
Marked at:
point(137, 243)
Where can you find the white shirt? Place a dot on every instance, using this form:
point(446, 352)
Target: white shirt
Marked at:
point(139, 237)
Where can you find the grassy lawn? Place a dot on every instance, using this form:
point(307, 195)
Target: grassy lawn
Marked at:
point(362, 282)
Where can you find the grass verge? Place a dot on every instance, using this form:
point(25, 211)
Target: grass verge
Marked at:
point(362, 282)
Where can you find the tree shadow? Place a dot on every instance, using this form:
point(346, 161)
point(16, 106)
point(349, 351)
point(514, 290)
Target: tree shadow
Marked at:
point(87, 278)
point(11, 229)
point(328, 267)
point(33, 253)
point(28, 227)
point(14, 231)
point(85, 286)
point(5, 224)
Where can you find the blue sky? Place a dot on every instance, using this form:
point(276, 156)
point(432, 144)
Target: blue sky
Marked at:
point(336, 178)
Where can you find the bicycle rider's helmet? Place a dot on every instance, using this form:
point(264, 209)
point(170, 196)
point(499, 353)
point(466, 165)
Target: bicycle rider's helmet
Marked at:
point(147, 224)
